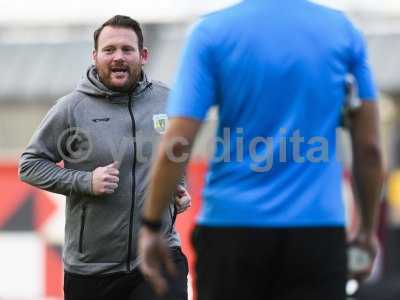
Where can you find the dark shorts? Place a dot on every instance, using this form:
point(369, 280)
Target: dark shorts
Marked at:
point(126, 286)
point(270, 264)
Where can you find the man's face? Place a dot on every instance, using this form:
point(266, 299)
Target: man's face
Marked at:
point(118, 59)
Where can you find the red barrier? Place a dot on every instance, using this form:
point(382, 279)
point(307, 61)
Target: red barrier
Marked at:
point(186, 221)
point(27, 209)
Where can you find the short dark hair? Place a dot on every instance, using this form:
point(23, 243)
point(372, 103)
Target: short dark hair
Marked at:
point(120, 21)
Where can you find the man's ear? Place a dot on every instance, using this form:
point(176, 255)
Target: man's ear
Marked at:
point(144, 55)
point(94, 56)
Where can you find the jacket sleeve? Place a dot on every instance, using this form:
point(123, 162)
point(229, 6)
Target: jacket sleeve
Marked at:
point(38, 163)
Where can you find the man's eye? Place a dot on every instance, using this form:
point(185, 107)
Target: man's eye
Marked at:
point(107, 50)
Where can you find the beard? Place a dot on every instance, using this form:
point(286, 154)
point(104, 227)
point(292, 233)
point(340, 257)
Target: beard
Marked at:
point(119, 77)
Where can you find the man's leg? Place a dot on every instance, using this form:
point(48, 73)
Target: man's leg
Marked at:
point(236, 263)
point(315, 265)
point(177, 285)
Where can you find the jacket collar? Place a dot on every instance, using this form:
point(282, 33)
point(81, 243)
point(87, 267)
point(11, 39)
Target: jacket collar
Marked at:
point(91, 84)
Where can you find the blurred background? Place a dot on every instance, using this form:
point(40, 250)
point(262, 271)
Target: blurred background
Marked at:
point(46, 45)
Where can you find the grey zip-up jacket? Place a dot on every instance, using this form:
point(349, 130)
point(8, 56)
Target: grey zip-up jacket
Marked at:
point(92, 127)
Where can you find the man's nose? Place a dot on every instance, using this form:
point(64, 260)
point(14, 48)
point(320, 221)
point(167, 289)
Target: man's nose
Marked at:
point(119, 55)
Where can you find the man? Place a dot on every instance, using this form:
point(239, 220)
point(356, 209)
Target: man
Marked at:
point(272, 221)
point(105, 132)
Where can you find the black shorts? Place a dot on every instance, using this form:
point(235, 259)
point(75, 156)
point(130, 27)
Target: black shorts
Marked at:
point(270, 264)
point(126, 286)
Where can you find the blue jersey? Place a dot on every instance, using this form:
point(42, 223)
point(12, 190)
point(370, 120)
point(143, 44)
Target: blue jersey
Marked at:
point(276, 71)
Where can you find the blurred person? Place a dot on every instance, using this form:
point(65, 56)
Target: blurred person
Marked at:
point(272, 221)
point(105, 132)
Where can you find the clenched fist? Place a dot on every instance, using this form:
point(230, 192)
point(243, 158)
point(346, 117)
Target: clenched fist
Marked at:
point(105, 179)
point(182, 199)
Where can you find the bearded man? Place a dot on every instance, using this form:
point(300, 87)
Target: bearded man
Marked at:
point(105, 132)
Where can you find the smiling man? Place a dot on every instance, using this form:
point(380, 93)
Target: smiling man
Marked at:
point(118, 63)
point(105, 132)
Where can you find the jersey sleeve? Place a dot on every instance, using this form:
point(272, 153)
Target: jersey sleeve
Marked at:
point(360, 67)
point(193, 92)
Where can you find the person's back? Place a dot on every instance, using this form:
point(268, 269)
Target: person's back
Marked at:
point(272, 221)
point(279, 68)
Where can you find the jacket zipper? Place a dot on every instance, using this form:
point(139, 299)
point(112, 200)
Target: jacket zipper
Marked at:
point(83, 218)
point(128, 267)
point(173, 212)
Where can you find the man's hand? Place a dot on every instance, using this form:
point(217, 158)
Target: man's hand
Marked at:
point(105, 179)
point(369, 244)
point(154, 259)
point(182, 199)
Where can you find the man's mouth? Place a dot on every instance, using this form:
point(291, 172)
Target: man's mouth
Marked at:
point(119, 71)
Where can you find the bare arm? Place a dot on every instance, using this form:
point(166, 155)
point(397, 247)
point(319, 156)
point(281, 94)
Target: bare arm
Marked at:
point(368, 167)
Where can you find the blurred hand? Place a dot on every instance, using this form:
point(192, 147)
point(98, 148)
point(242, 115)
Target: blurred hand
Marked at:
point(182, 199)
point(154, 258)
point(369, 244)
point(105, 179)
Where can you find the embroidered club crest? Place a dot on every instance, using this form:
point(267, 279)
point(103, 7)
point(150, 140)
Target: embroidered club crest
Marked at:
point(160, 123)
